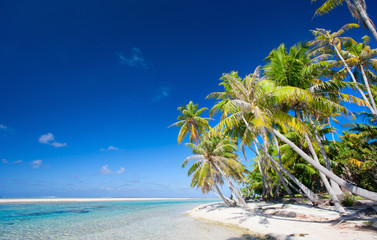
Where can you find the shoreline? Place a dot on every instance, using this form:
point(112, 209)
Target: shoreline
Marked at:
point(288, 221)
point(52, 200)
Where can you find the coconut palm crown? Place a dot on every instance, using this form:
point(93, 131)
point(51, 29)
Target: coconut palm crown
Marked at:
point(191, 122)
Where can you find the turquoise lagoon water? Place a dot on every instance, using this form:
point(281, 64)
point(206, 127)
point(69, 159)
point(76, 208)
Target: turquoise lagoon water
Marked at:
point(108, 220)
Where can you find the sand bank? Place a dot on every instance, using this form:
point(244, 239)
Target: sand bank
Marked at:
point(36, 200)
point(288, 221)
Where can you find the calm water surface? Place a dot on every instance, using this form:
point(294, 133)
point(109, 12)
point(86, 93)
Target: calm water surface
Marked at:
point(108, 220)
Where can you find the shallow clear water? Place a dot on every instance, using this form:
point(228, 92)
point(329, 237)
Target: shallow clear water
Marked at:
point(108, 220)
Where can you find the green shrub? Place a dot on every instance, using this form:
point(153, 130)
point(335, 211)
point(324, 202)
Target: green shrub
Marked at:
point(349, 199)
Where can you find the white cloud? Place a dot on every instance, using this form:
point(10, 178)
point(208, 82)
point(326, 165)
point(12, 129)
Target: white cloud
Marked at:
point(2, 126)
point(58, 145)
point(109, 148)
point(112, 148)
point(49, 139)
point(106, 171)
point(120, 171)
point(36, 163)
point(46, 138)
point(161, 93)
point(135, 60)
point(4, 160)
point(18, 161)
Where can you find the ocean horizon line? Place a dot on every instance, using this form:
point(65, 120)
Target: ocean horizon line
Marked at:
point(90, 199)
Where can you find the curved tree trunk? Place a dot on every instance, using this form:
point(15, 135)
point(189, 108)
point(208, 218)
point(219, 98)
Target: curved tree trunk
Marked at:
point(309, 193)
point(261, 171)
point(350, 187)
point(355, 81)
point(366, 82)
point(280, 174)
point(239, 197)
point(328, 187)
point(366, 20)
point(227, 201)
point(265, 152)
point(339, 194)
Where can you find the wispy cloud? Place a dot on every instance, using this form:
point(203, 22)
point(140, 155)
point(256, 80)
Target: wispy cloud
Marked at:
point(5, 130)
point(161, 93)
point(18, 161)
point(109, 148)
point(50, 140)
point(120, 171)
point(4, 160)
point(106, 171)
point(36, 163)
point(136, 59)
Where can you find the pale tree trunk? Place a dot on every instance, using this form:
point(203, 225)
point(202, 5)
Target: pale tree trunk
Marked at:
point(243, 180)
point(239, 197)
point(371, 98)
point(339, 194)
point(350, 187)
point(328, 187)
point(306, 191)
point(261, 171)
point(227, 201)
point(265, 155)
point(309, 193)
point(265, 152)
point(281, 178)
point(293, 187)
point(355, 81)
point(332, 134)
point(365, 19)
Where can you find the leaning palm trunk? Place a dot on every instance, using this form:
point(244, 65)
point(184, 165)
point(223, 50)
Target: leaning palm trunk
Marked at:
point(350, 187)
point(339, 194)
point(328, 187)
point(366, 82)
point(265, 152)
point(227, 201)
point(312, 196)
point(365, 19)
point(373, 110)
point(239, 197)
point(261, 171)
point(281, 180)
point(309, 193)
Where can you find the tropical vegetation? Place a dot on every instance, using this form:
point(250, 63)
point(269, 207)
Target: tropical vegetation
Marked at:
point(283, 114)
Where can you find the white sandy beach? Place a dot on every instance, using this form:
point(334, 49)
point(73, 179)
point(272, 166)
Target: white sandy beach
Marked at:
point(36, 200)
point(287, 221)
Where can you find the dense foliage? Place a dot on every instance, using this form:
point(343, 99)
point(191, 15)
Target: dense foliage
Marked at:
point(284, 112)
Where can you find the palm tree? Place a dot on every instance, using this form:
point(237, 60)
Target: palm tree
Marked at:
point(362, 57)
point(252, 105)
point(325, 41)
point(357, 8)
point(217, 154)
point(191, 122)
point(357, 154)
point(260, 100)
point(205, 178)
point(296, 69)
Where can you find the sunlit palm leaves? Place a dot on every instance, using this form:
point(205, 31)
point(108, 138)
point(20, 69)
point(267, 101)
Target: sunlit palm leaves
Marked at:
point(191, 122)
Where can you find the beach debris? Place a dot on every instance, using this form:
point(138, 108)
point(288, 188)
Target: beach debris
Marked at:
point(263, 220)
point(366, 213)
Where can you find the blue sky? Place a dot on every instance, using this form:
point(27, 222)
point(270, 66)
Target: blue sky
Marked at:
point(88, 88)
